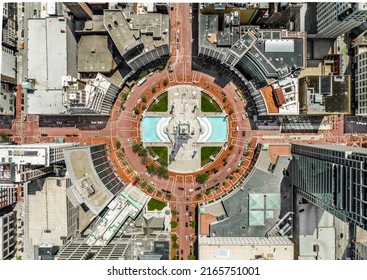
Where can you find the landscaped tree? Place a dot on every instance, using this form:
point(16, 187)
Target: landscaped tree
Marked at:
point(202, 178)
point(174, 238)
point(231, 147)
point(224, 99)
point(159, 193)
point(199, 195)
point(144, 99)
point(144, 160)
point(207, 192)
point(151, 169)
point(3, 137)
point(136, 111)
point(118, 144)
point(150, 189)
point(165, 82)
point(191, 258)
point(160, 67)
point(168, 195)
point(231, 111)
point(193, 224)
point(144, 184)
point(175, 246)
point(143, 152)
point(214, 170)
point(124, 95)
point(162, 172)
point(142, 74)
point(136, 147)
point(154, 89)
point(144, 107)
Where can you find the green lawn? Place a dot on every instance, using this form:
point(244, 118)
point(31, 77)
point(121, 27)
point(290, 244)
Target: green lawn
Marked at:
point(206, 152)
point(207, 106)
point(161, 152)
point(154, 204)
point(161, 106)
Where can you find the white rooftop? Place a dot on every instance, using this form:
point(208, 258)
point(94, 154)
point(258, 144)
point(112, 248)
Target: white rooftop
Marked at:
point(47, 63)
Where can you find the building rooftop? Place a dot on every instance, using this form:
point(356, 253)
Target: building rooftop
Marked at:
point(94, 54)
point(127, 204)
point(87, 187)
point(282, 97)
point(152, 28)
point(245, 241)
point(48, 213)
point(325, 94)
point(96, 97)
point(47, 63)
point(117, 26)
point(245, 248)
point(205, 220)
point(241, 216)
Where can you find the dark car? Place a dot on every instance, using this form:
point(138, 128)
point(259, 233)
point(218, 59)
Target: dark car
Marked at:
point(244, 133)
point(187, 207)
point(186, 224)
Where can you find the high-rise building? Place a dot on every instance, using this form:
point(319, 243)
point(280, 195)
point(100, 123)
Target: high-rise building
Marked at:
point(8, 59)
point(333, 178)
point(8, 227)
point(8, 195)
point(21, 163)
point(335, 19)
point(79, 10)
point(360, 81)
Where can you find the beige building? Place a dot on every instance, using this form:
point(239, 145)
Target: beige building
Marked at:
point(52, 218)
point(325, 95)
point(245, 248)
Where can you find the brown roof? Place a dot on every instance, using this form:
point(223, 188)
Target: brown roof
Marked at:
point(267, 93)
point(205, 221)
point(279, 96)
point(278, 150)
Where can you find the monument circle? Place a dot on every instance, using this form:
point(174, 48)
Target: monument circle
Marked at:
point(184, 119)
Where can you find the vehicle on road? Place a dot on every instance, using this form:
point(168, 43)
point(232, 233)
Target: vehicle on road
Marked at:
point(142, 81)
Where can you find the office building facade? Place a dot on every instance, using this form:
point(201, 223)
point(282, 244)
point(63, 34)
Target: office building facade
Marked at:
point(8, 195)
point(7, 234)
point(361, 81)
point(335, 19)
point(333, 178)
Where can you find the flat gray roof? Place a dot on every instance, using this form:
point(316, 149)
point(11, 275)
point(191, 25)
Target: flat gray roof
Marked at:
point(48, 102)
point(47, 63)
point(153, 29)
point(47, 52)
point(48, 211)
point(94, 54)
point(119, 30)
point(83, 174)
point(237, 205)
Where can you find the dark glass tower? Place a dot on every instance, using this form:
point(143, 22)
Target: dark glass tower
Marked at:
point(333, 178)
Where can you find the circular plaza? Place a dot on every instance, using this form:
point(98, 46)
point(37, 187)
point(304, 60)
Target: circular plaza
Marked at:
point(180, 126)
